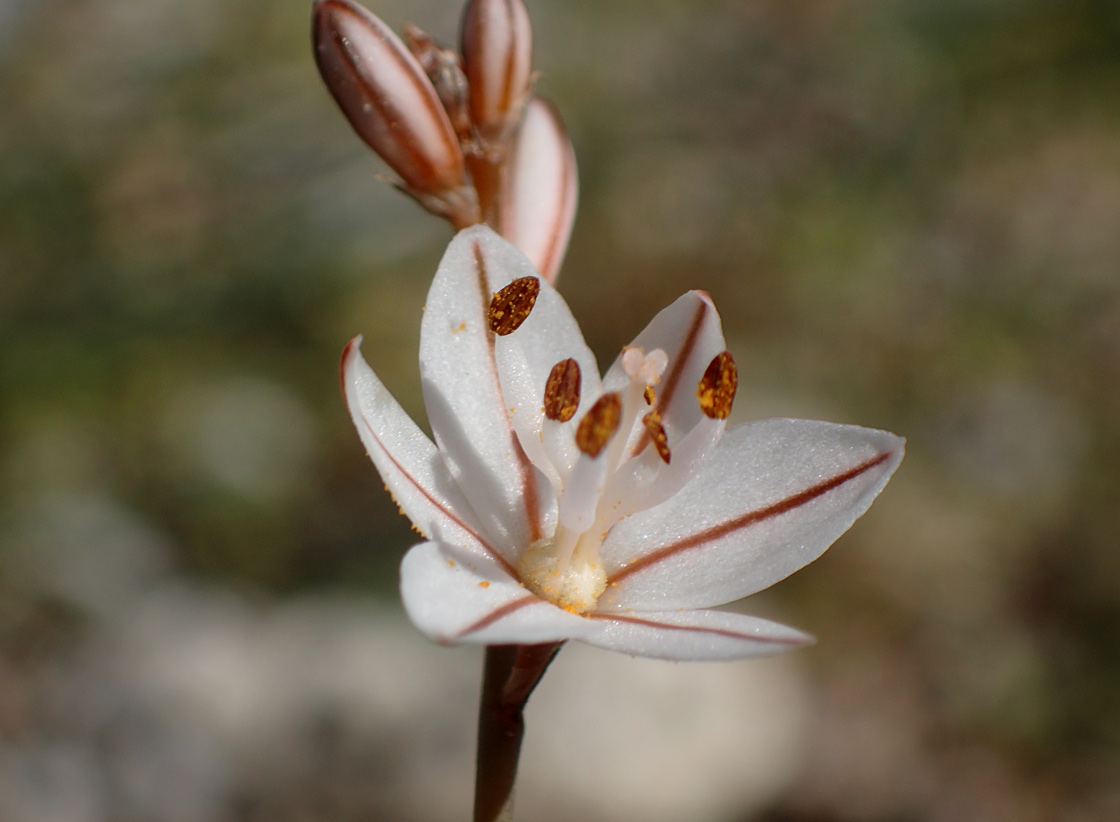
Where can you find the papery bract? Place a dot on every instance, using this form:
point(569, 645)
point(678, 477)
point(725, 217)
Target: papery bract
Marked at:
point(617, 523)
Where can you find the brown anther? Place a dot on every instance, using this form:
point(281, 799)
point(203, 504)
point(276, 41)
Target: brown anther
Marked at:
point(561, 392)
point(717, 387)
point(511, 306)
point(656, 431)
point(649, 395)
point(599, 425)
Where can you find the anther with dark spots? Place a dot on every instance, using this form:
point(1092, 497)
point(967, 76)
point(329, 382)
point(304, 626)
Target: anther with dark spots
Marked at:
point(656, 431)
point(561, 392)
point(599, 425)
point(716, 391)
point(511, 306)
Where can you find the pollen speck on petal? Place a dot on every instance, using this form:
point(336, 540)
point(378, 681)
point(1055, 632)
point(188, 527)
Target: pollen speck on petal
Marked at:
point(511, 306)
point(716, 391)
point(561, 391)
point(599, 425)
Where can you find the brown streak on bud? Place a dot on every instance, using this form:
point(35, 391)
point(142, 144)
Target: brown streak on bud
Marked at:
point(656, 431)
point(599, 425)
point(561, 392)
point(717, 387)
point(511, 306)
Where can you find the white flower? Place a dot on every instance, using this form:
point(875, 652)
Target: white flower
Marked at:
point(556, 505)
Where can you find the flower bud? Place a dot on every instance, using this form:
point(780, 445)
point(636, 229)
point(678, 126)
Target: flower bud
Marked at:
point(389, 101)
point(444, 68)
point(541, 188)
point(497, 47)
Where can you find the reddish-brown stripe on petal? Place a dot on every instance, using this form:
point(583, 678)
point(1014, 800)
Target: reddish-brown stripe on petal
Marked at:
point(702, 629)
point(746, 520)
point(528, 477)
point(498, 613)
point(671, 380)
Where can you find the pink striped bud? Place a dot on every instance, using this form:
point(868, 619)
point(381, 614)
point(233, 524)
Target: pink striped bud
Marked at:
point(392, 105)
point(497, 47)
point(541, 188)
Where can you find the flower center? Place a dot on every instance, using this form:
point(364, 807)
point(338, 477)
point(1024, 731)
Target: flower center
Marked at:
point(574, 585)
point(566, 569)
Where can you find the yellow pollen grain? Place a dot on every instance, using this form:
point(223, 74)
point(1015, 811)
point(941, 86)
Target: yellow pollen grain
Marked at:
point(649, 395)
point(484, 584)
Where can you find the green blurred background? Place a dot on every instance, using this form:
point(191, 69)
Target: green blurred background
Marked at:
point(908, 214)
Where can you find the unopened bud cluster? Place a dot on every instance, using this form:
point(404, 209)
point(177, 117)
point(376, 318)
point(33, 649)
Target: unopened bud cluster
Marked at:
point(462, 130)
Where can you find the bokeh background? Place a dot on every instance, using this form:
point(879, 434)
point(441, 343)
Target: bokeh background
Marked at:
point(909, 215)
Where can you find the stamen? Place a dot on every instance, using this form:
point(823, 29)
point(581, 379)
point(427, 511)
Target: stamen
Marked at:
point(656, 431)
point(717, 387)
point(599, 425)
point(561, 391)
point(649, 395)
point(511, 306)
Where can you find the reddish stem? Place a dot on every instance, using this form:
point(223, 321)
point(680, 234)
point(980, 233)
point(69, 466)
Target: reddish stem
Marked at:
point(510, 673)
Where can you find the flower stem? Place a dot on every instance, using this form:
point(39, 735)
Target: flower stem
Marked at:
point(509, 675)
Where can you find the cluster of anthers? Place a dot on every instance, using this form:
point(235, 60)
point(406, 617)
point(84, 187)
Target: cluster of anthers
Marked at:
point(463, 131)
point(602, 485)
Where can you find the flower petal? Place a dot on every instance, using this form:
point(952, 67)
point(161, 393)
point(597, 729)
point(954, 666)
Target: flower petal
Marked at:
point(696, 636)
point(525, 359)
point(539, 199)
point(689, 331)
point(645, 480)
point(407, 460)
point(463, 397)
point(771, 498)
point(453, 597)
